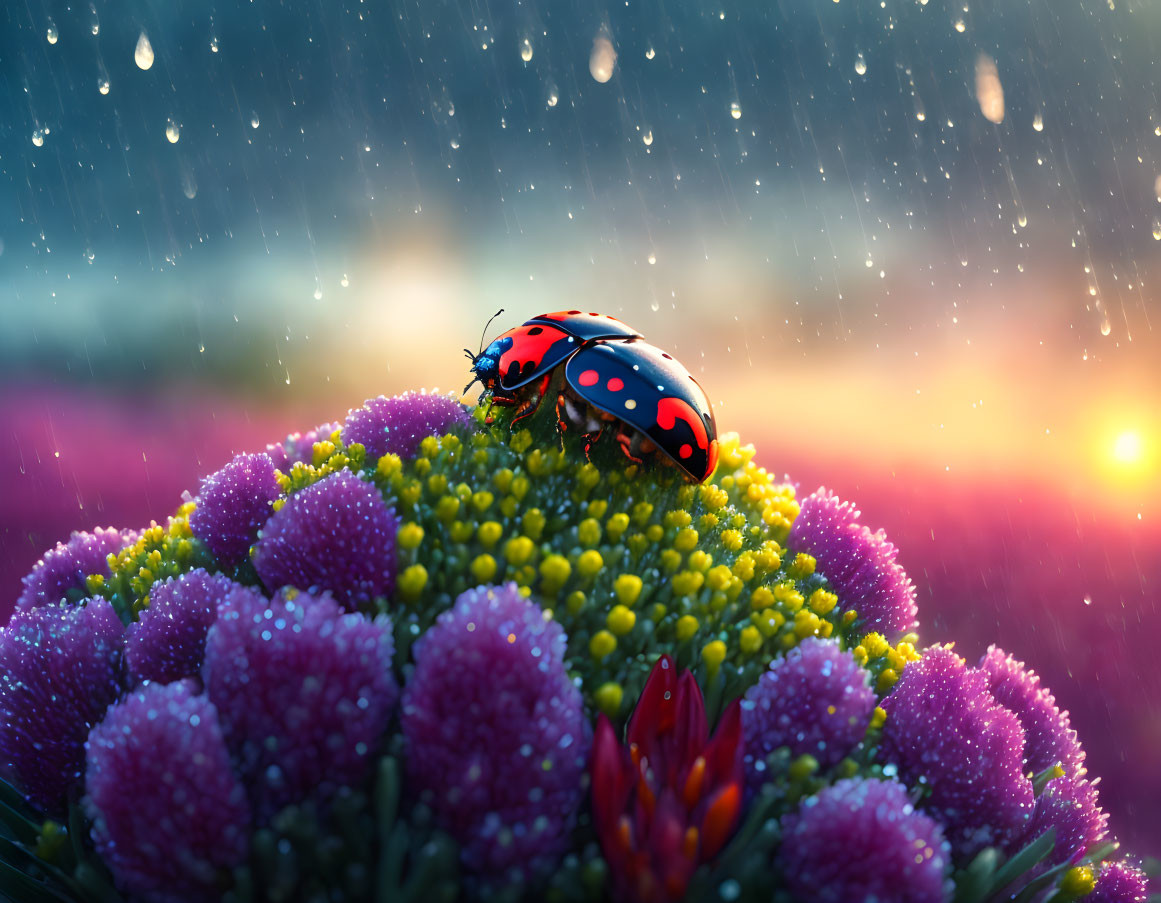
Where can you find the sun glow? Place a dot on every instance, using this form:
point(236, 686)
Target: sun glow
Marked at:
point(1128, 448)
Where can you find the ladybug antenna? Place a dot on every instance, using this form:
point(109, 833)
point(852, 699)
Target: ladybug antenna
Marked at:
point(486, 325)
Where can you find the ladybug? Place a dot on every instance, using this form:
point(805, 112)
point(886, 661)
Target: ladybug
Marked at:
point(604, 376)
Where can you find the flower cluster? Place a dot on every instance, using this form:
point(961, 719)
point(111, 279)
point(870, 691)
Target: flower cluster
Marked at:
point(417, 655)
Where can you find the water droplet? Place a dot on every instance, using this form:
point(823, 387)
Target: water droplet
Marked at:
point(552, 97)
point(318, 293)
point(960, 26)
point(94, 20)
point(52, 34)
point(103, 85)
point(254, 123)
point(1106, 326)
point(172, 131)
point(526, 50)
point(38, 138)
point(344, 282)
point(455, 145)
point(1038, 123)
point(921, 114)
point(652, 259)
point(736, 110)
point(1156, 229)
point(650, 53)
point(989, 91)
point(655, 306)
point(189, 185)
point(1088, 600)
point(90, 255)
point(143, 55)
point(213, 44)
point(647, 137)
point(603, 59)
point(1157, 188)
point(1022, 219)
point(860, 65)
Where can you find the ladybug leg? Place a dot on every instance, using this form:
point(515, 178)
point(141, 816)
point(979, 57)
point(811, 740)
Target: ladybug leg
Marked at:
point(529, 406)
point(561, 422)
point(591, 439)
point(627, 442)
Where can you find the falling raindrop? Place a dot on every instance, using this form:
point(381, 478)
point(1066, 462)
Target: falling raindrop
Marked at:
point(1157, 187)
point(38, 138)
point(989, 91)
point(650, 53)
point(214, 44)
point(655, 305)
point(455, 145)
point(172, 131)
point(860, 65)
point(1022, 219)
point(103, 85)
point(552, 98)
point(143, 55)
point(94, 20)
point(647, 137)
point(736, 110)
point(318, 293)
point(344, 282)
point(52, 34)
point(90, 255)
point(1038, 123)
point(254, 123)
point(526, 50)
point(1156, 229)
point(603, 59)
point(189, 185)
point(959, 26)
point(1106, 326)
point(652, 259)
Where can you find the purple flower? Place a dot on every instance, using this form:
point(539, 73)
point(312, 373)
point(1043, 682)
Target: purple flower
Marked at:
point(944, 728)
point(232, 504)
point(298, 448)
point(396, 425)
point(169, 641)
point(59, 671)
point(1119, 882)
point(497, 738)
point(860, 565)
point(815, 699)
point(304, 693)
point(1048, 737)
point(337, 534)
point(1069, 805)
point(61, 573)
point(167, 811)
point(861, 839)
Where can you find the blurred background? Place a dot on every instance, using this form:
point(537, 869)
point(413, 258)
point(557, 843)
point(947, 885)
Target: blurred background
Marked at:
point(910, 249)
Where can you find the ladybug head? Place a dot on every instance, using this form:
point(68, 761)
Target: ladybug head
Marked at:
point(486, 362)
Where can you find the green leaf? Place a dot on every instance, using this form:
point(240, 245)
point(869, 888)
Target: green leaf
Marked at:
point(1033, 853)
point(23, 888)
point(973, 882)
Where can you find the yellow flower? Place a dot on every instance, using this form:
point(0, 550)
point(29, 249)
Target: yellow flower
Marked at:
point(621, 620)
point(686, 627)
point(483, 568)
point(409, 536)
point(608, 697)
point(589, 563)
point(627, 588)
point(602, 644)
point(713, 654)
point(750, 640)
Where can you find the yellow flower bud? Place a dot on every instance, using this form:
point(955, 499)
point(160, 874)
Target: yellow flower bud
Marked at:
point(483, 568)
point(602, 644)
point(822, 602)
point(533, 523)
point(608, 697)
point(750, 640)
point(409, 536)
point(686, 627)
point(518, 549)
point(588, 533)
point(412, 581)
point(447, 508)
point(555, 571)
point(575, 602)
point(620, 620)
point(1078, 881)
point(589, 563)
point(617, 525)
point(685, 540)
point(713, 654)
point(686, 583)
point(489, 533)
point(719, 577)
point(627, 588)
point(761, 598)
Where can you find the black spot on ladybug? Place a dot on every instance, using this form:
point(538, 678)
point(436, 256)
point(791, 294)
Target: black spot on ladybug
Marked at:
point(535, 330)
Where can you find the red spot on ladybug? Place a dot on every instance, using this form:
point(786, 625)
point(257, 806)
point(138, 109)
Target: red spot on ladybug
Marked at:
point(615, 385)
point(685, 451)
point(588, 378)
point(670, 410)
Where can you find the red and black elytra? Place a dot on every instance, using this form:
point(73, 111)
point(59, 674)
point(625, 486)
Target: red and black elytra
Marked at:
point(650, 400)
